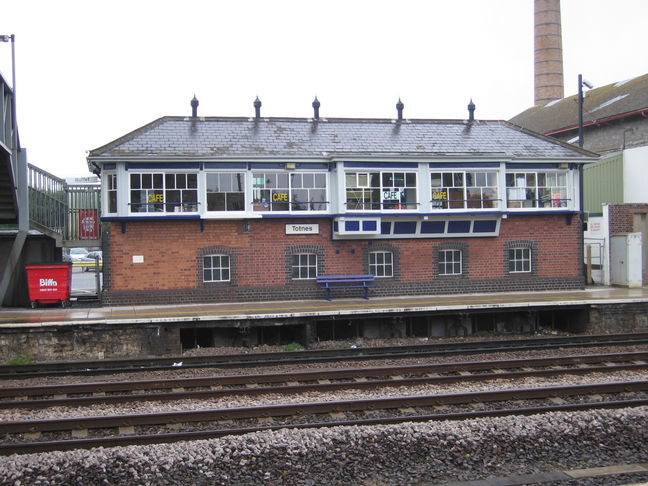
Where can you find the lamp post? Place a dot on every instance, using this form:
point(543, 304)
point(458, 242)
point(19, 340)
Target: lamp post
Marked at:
point(581, 82)
point(581, 186)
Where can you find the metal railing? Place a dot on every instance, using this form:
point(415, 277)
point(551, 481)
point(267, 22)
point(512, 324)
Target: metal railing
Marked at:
point(67, 212)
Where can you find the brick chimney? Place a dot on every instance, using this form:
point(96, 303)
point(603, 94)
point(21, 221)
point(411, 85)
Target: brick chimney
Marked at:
point(549, 84)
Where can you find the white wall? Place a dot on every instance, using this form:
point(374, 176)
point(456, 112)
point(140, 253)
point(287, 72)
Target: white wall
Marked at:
point(635, 175)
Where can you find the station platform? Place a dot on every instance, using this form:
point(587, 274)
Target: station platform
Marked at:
point(106, 315)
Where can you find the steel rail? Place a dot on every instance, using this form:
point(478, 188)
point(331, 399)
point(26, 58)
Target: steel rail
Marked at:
point(319, 380)
point(116, 441)
point(283, 410)
point(316, 356)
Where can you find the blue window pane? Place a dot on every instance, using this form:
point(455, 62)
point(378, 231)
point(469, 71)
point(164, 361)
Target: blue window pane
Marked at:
point(484, 226)
point(431, 227)
point(405, 227)
point(458, 226)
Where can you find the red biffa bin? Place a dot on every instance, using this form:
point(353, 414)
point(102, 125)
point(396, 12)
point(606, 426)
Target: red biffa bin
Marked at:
point(49, 283)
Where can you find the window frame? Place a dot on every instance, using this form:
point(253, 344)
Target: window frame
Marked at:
point(443, 264)
point(243, 191)
point(366, 190)
point(524, 260)
point(220, 268)
point(545, 201)
point(457, 181)
point(286, 195)
point(161, 193)
point(373, 265)
point(298, 266)
point(112, 192)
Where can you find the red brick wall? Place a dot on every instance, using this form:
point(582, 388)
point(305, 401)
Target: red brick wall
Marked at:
point(172, 259)
point(621, 217)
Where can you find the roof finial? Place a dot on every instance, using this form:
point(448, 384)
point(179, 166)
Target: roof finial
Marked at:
point(257, 108)
point(316, 107)
point(399, 108)
point(471, 111)
point(194, 106)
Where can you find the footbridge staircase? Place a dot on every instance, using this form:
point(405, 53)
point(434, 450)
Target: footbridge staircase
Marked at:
point(40, 214)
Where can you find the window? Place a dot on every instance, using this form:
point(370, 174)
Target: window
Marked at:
point(381, 263)
point(450, 262)
point(304, 266)
point(536, 189)
point(294, 191)
point(465, 189)
point(160, 192)
point(373, 191)
point(111, 189)
point(216, 268)
point(225, 191)
point(519, 260)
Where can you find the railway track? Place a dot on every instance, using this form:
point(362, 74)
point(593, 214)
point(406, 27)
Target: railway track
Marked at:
point(71, 433)
point(80, 394)
point(315, 356)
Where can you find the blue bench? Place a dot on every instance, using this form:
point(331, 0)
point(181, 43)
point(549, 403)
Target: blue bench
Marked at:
point(330, 282)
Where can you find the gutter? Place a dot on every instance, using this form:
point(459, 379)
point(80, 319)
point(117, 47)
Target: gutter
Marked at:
point(642, 111)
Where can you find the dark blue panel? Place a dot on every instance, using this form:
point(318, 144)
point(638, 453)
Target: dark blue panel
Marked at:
point(110, 166)
point(225, 165)
point(335, 227)
point(313, 166)
point(385, 228)
point(405, 227)
point(161, 165)
point(352, 226)
point(531, 166)
point(431, 227)
point(458, 226)
point(484, 226)
point(264, 166)
point(369, 225)
point(382, 165)
point(463, 165)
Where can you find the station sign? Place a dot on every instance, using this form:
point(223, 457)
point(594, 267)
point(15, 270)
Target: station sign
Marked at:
point(302, 229)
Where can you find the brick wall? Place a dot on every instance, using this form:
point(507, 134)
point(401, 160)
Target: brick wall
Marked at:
point(172, 252)
point(621, 217)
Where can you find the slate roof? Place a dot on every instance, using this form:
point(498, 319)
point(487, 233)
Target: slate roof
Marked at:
point(214, 138)
point(614, 100)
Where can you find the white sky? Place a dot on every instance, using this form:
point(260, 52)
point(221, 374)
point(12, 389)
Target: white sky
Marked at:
point(89, 71)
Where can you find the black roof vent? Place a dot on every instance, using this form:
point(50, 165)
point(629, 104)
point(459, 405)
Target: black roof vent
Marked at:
point(399, 108)
point(257, 108)
point(194, 107)
point(471, 111)
point(316, 107)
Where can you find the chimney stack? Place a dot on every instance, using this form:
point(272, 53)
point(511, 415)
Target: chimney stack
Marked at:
point(399, 109)
point(549, 85)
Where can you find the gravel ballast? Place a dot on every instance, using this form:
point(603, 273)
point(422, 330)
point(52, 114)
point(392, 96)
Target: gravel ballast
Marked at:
point(411, 453)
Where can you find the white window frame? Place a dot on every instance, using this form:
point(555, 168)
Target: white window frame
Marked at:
point(244, 191)
point(112, 187)
point(262, 205)
point(440, 194)
point(217, 269)
point(447, 266)
point(365, 191)
point(528, 180)
point(519, 259)
point(304, 265)
point(162, 205)
point(383, 268)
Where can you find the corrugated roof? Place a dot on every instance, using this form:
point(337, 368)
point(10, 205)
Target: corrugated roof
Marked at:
point(243, 137)
point(616, 99)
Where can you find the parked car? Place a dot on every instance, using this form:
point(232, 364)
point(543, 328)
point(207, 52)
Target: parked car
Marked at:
point(77, 254)
point(91, 258)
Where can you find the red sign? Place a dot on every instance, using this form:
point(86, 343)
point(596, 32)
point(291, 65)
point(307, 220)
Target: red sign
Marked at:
point(88, 224)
